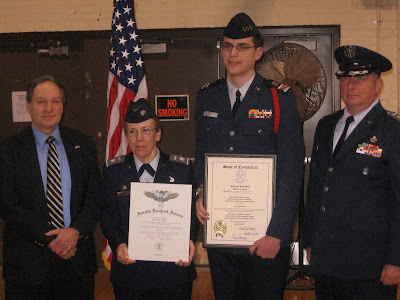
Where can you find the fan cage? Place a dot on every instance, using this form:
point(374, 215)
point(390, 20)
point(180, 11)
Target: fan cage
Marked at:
point(314, 94)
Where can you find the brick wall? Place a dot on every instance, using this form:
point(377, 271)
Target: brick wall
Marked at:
point(358, 20)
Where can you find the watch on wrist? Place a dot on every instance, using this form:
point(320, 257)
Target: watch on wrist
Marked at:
point(198, 191)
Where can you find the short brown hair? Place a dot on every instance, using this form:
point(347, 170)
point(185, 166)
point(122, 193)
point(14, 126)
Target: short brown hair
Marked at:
point(258, 40)
point(32, 85)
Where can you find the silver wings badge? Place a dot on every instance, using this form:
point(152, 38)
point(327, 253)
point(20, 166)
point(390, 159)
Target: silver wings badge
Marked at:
point(161, 196)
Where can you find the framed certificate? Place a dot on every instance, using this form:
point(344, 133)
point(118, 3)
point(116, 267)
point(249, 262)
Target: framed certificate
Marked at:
point(239, 194)
point(159, 221)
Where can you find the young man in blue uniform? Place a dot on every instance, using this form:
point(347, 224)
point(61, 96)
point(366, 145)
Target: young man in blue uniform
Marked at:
point(225, 124)
point(352, 231)
point(146, 163)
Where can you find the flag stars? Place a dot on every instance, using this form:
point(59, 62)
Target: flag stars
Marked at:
point(136, 49)
point(133, 36)
point(139, 62)
point(122, 41)
point(119, 27)
point(128, 67)
point(125, 54)
point(130, 23)
point(131, 80)
point(127, 10)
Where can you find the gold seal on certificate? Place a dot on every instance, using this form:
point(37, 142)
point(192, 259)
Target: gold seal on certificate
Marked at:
point(239, 193)
point(220, 228)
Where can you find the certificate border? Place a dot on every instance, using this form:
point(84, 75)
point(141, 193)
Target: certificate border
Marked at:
point(136, 194)
point(269, 157)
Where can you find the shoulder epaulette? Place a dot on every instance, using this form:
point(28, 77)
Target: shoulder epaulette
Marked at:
point(115, 160)
point(393, 115)
point(270, 82)
point(210, 84)
point(179, 159)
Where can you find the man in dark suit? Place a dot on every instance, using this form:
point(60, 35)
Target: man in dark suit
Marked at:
point(146, 163)
point(226, 124)
point(353, 202)
point(48, 251)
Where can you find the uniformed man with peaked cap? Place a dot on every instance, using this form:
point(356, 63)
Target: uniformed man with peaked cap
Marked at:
point(243, 114)
point(353, 196)
point(358, 61)
point(146, 163)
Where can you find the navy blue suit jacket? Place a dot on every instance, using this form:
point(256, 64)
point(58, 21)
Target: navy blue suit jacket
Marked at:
point(218, 132)
point(25, 213)
point(115, 224)
point(353, 200)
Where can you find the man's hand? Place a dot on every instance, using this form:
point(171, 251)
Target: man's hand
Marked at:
point(390, 275)
point(201, 213)
point(191, 254)
point(64, 245)
point(266, 247)
point(123, 256)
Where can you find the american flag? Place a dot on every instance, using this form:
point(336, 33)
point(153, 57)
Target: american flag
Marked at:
point(126, 82)
point(126, 79)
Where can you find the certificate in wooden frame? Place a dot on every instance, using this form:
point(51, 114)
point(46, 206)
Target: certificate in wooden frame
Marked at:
point(239, 194)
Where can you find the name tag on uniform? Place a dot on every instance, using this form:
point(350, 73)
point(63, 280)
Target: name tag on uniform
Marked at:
point(210, 114)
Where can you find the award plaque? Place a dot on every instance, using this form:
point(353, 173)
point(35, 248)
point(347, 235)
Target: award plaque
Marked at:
point(159, 221)
point(239, 194)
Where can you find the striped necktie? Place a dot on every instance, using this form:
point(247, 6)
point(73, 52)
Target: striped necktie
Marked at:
point(53, 188)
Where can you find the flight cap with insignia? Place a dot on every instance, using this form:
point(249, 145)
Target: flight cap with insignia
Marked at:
point(139, 111)
point(241, 26)
point(358, 61)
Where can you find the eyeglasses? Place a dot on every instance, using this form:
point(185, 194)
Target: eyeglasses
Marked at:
point(239, 47)
point(144, 131)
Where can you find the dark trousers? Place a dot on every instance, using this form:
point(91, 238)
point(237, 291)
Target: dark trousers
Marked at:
point(245, 276)
point(180, 292)
point(61, 282)
point(332, 288)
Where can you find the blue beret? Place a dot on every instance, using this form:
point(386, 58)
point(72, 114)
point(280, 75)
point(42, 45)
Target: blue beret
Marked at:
point(241, 26)
point(358, 61)
point(139, 111)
